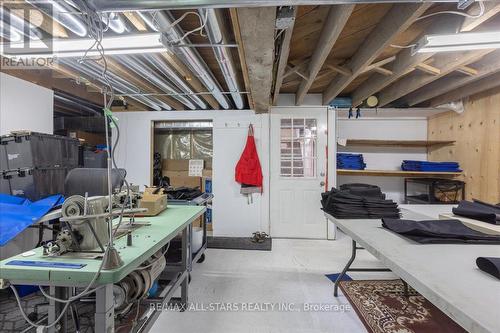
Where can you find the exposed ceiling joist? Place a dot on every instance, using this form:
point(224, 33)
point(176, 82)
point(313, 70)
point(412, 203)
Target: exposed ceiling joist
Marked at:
point(489, 65)
point(486, 83)
point(404, 63)
point(491, 8)
point(426, 68)
point(468, 71)
point(383, 71)
point(334, 23)
point(378, 65)
point(296, 69)
point(397, 20)
point(283, 57)
point(410, 83)
point(241, 54)
point(257, 36)
point(340, 69)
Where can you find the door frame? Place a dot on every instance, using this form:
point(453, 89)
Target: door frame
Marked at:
point(331, 141)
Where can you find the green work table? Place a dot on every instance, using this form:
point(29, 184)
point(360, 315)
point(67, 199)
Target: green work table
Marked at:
point(146, 241)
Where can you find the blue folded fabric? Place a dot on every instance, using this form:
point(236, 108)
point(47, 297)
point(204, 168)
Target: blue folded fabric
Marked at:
point(350, 161)
point(17, 214)
point(410, 165)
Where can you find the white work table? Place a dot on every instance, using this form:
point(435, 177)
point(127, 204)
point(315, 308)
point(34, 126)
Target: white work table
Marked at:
point(445, 274)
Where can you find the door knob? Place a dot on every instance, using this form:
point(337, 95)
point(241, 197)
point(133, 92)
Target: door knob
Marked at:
point(322, 183)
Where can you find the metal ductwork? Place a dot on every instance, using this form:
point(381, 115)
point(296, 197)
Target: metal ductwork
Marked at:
point(142, 69)
point(161, 66)
point(62, 11)
point(189, 56)
point(94, 71)
point(78, 105)
point(222, 54)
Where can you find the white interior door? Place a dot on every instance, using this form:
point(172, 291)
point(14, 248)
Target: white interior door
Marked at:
point(298, 171)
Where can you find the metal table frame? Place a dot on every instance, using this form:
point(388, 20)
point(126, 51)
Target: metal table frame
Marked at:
point(348, 268)
point(104, 300)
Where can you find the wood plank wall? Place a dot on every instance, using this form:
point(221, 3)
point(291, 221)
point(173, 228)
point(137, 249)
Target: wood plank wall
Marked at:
point(477, 148)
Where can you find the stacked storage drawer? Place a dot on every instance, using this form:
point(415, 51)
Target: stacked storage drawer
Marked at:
point(36, 164)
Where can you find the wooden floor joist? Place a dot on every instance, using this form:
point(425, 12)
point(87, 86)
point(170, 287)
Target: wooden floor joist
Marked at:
point(470, 89)
point(283, 58)
point(397, 20)
point(417, 80)
point(405, 62)
point(334, 23)
point(489, 65)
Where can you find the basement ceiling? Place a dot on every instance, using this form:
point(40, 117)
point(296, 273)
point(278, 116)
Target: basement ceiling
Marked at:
point(362, 53)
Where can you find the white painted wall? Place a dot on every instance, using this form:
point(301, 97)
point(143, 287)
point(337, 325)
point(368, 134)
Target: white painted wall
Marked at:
point(25, 106)
point(383, 158)
point(231, 214)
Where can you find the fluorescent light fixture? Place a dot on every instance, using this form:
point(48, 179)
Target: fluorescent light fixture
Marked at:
point(65, 48)
point(464, 41)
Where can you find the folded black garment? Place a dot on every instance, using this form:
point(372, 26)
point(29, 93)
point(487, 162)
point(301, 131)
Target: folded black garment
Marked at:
point(364, 190)
point(438, 231)
point(479, 211)
point(489, 265)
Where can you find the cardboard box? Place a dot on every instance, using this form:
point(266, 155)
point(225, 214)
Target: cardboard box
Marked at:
point(185, 181)
point(175, 165)
point(207, 173)
point(173, 174)
point(154, 203)
point(208, 164)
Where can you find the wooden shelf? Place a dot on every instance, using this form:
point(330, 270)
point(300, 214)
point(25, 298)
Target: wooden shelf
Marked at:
point(398, 143)
point(396, 173)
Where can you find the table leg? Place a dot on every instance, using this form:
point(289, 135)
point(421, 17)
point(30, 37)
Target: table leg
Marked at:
point(348, 268)
point(186, 259)
point(104, 310)
point(341, 275)
point(55, 309)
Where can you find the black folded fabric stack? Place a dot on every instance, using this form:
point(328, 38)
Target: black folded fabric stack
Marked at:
point(478, 210)
point(358, 201)
point(438, 231)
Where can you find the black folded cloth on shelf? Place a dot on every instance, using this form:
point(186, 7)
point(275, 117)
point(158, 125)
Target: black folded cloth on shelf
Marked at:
point(358, 201)
point(438, 231)
point(489, 265)
point(478, 210)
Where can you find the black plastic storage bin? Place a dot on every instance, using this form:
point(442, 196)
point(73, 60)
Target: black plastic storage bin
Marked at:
point(38, 150)
point(36, 184)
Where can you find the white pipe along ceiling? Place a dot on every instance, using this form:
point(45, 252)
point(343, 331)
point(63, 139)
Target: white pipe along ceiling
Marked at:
point(143, 70)
point(171, 35)
point(222, 54)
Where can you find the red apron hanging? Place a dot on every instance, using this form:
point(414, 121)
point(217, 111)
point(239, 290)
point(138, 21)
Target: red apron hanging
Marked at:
point(248, 169)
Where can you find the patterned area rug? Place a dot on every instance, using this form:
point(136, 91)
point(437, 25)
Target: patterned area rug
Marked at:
point(383, 308)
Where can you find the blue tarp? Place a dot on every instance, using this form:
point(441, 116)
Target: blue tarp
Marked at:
point(350, 161)
point(409, 165)
point(17, 214)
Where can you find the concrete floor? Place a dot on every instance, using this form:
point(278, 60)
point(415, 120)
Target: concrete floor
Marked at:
point(292, 274)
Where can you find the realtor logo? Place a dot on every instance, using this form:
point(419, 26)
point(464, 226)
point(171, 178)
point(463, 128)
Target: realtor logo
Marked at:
point(26, 35)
